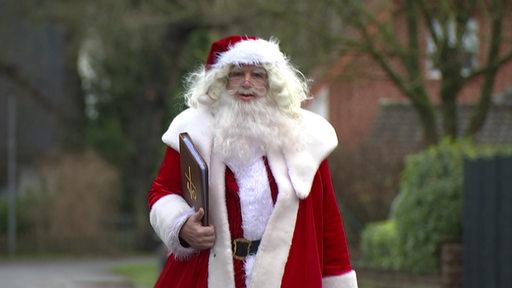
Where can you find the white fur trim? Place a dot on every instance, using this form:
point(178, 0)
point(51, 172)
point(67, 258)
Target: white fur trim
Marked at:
point(166, 217)
point(220, 263)
point(255, 202)
point(255, 198)
point(174, 244)
point(252, 52)
point(276, 242)
point(198, 124)
point(347, 280)
point(248, 264)
point(304, 164)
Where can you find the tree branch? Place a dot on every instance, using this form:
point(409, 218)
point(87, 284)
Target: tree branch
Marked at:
point(478, 117)
point(429, 19)
point(499, 61)
point(13, 73)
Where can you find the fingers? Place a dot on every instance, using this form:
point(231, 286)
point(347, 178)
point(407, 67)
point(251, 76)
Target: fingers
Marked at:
point(202, 237)
point(196, 235)
point(205, 239)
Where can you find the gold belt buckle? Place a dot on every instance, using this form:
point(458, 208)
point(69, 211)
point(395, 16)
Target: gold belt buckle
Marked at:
point(235, 248)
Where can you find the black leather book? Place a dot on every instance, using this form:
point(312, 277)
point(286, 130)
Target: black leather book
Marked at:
point(194, 176)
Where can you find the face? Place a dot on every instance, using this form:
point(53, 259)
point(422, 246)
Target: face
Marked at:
point(247, 82)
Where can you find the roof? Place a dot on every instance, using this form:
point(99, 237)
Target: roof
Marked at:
point(397, 126)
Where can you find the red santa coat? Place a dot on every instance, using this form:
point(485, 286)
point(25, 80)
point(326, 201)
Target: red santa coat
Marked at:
point(304, 242)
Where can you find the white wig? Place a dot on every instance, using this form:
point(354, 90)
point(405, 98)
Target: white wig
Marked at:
point(287, 86)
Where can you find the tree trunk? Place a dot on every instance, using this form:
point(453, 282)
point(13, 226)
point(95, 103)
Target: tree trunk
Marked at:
point(450, 87)
point(426, 114)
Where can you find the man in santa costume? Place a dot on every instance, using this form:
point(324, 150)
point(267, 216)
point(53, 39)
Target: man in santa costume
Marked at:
point(274, 221)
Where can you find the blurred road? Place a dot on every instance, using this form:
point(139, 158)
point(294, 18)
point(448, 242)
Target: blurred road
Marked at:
point(67, 273)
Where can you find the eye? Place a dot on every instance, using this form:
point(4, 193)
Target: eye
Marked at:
point(237, 73)
point(260, 74)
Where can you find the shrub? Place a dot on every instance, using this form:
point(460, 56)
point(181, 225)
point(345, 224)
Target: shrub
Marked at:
point(82, 192)
point(71, 209)
point(428, 209)
point(380, 243)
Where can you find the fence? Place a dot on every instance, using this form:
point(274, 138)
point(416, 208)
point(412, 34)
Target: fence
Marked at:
point(487, 227)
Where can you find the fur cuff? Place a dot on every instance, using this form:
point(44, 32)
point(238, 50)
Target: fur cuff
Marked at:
point(347, 280)
point(167, 216)
point(173, 239)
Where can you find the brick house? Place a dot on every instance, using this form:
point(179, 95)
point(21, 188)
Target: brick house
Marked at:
point(365, 107)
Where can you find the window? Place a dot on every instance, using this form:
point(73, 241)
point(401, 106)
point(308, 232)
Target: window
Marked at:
point(469, 46)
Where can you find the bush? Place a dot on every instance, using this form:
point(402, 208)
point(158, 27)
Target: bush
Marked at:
point(72, 209)
point(82, 196)
point(428, 209)
point(23, 221)
point(379, 241)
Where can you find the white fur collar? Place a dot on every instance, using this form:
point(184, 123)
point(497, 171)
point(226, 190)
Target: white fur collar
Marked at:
point(302, 165)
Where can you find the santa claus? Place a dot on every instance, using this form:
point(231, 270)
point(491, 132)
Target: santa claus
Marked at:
point(273, 212)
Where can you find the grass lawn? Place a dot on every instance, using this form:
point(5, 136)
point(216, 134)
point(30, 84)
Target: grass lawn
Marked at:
point(143, 274)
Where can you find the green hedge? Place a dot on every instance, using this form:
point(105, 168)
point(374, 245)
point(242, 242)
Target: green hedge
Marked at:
point(427, 211)
point(23, 219)
point(380, 244)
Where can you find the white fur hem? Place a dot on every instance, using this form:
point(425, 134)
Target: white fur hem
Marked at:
point(347, 280)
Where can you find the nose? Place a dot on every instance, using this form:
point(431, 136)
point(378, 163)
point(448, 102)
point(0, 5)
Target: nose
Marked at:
point(247, 80)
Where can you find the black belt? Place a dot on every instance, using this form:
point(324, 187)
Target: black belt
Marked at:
point(243, 248)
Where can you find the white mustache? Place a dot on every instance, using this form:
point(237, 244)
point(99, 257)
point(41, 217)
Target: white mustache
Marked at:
point(250, 91)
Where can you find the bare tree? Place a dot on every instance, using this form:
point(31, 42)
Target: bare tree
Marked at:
point(448, 22)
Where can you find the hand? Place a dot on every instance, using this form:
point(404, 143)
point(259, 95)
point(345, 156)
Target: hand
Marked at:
point(195, 234)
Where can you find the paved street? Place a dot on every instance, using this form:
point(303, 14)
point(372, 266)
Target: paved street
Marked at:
point(67, 273)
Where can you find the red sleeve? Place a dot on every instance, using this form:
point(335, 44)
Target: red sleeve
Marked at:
point(168, 180)
point(336, 258)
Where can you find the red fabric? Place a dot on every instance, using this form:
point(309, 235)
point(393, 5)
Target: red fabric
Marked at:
point(222, 46)
point(307, 263)
point(318, 221)
point(168, 180)
point(190, 273)
point(235, 216)
point(235, 222)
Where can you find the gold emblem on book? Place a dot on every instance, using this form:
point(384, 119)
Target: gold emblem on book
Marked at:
point(191, 188)
point(194, 176)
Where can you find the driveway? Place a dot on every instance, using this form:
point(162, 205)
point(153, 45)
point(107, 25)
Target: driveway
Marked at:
point(67, 273)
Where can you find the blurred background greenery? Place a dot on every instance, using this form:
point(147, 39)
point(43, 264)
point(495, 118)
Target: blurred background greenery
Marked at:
point(92, 85)
point(96, 84)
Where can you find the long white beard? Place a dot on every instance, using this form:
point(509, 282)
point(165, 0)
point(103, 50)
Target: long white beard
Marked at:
point(246, 130)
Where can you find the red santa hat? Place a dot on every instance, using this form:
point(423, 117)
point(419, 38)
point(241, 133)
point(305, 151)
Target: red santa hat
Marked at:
point(244, 50)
